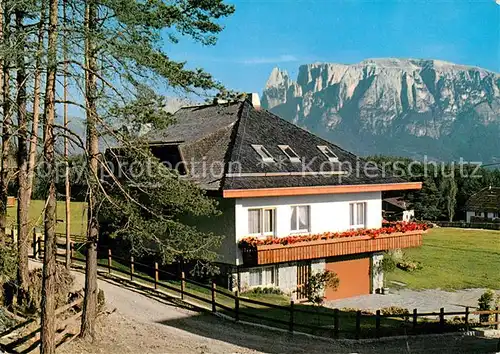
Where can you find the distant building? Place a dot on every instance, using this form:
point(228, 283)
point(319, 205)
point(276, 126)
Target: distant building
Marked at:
point(397, 209)
point(484, 204)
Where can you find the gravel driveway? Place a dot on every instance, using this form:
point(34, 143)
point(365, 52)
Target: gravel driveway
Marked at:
point(424, 301)
point(141, 324)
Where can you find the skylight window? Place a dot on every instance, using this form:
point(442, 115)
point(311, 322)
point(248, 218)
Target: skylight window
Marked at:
point(264, 154)
point(328, 153)
point(288, 151)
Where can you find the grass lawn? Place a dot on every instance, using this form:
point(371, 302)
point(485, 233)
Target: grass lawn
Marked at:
point(78, 216)
point(454, 259)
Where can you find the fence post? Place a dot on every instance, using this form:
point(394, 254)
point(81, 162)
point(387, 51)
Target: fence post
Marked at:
point(183, 284)
point(335, 323)
point(12, 234)
point(290, 325)
point(415, 319)
point(358, 323)
point(467, 318)
point(71, 252)
point(377, 323)
point(441, 318)
point(39, 247)
point(156, 275)
point(236, 305)
point(497, 325)
point(110, 261)
point(131, 268)
point(214, 304)
point(35, 255)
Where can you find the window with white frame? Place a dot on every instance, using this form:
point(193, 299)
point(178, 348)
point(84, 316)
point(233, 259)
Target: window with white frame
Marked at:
point(357, 215)
point(261, 221)
point(495, 215)
point(300, 218)
point(263, 276)
point(328, 153)
point(263, 153)
point(288, 151)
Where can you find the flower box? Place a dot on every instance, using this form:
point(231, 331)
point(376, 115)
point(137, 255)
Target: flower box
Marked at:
point(324, 248)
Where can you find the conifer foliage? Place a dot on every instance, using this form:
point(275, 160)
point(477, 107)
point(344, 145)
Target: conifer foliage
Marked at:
point(111, 55)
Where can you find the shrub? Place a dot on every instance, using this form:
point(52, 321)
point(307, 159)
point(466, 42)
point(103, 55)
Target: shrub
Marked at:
point(388, 263)
point(8, 262)
point(484, 303)
point(409, 265)
point(5, 321)
point(396, 311)
point(264, 290)
point(351, 311)
point(318, 282)
point(63, 285)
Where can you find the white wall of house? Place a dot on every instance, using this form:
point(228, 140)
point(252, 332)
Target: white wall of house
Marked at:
point(328, 212)
point(377, 273)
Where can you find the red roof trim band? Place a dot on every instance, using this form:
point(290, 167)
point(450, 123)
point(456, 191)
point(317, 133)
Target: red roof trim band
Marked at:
point(287, 191)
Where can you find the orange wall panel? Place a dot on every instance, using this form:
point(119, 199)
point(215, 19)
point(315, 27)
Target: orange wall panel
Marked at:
point(354, 276)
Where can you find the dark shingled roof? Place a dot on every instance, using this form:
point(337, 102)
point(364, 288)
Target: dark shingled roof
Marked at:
point(225, 133)
point(486, 200)
point(196, 122)
point(398, 202)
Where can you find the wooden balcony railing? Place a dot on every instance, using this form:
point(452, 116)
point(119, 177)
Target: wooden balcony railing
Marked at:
point(277, 253)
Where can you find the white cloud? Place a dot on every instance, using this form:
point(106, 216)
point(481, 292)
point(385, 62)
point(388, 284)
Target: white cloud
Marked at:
point(269, 60)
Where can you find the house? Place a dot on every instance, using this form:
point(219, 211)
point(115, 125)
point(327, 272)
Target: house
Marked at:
point(397, 209)
point(288, 189)
point(484, 204)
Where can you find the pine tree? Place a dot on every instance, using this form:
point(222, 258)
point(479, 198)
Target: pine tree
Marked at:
point(133, 56)
point(7, 119)
point(90, 303)
point(22, 154)
point(448, 188)
point(50, 251)
point(37, 74)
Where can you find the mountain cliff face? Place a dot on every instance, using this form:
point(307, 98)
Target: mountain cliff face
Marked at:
point(395, 106)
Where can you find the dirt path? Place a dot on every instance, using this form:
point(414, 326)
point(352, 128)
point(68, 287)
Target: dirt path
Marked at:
point(141, 324)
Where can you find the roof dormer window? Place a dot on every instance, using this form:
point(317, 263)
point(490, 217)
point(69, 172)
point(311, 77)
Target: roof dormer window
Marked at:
point(264, 154)
point(288, 151)
point(328, 153)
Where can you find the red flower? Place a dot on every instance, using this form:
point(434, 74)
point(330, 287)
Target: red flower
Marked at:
point(388, 228)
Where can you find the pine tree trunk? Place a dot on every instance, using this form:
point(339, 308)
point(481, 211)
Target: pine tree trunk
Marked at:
point(90, 301)
point(6, 129)
point(66, 172)
point(49, 261)
point(22, 162)
point(3, 207)
point(36, 101)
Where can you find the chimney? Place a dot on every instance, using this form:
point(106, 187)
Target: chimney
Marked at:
point(254, 99)
point(218, 100)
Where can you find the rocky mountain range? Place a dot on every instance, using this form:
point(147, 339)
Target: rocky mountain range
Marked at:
point(402, 107)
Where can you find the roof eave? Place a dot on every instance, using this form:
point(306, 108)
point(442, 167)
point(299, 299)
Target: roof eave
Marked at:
point(289, 191)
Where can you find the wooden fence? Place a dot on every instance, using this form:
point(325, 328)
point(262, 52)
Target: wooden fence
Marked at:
point(333, 323)
point(29, 331)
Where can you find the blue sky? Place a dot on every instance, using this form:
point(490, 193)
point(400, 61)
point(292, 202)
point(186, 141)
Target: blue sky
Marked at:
point(288, 33)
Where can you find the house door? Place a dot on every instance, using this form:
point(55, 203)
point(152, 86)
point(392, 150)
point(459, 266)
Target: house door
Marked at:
point(354, 278)
point(303, 272)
